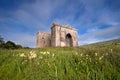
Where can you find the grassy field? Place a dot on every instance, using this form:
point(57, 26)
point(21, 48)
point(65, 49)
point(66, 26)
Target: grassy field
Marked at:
point(82, 63)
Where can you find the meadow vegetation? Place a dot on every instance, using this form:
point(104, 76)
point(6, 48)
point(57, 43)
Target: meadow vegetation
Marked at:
point(81, 63)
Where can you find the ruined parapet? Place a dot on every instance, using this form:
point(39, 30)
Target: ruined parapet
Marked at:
point(43, 39)
point(64, 26)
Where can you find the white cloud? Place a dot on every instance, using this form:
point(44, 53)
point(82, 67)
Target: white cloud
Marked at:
point(100, 35)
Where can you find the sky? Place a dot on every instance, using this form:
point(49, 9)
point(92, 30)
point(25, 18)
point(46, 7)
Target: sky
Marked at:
point(95, 20)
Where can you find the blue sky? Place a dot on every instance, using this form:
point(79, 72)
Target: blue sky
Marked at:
point(95, 20)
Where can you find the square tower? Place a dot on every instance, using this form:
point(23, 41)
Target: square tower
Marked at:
point(62, 36)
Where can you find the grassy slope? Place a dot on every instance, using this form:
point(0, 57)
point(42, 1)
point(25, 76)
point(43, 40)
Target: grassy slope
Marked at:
point(82, 63)
point(110, 42)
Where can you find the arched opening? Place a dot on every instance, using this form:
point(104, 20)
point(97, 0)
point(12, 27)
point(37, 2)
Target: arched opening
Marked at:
point(69, 42)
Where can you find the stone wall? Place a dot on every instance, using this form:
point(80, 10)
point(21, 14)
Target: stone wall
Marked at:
point(60, 36)
point(43, 39)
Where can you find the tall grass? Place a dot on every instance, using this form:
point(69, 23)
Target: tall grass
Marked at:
point(82, 63)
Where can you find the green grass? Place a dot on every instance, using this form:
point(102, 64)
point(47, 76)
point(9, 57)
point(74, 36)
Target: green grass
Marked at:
point(82, 63)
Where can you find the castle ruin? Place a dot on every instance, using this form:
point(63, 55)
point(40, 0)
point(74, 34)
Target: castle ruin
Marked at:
point(61, 36)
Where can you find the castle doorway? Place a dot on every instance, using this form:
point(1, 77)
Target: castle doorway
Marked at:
point(69, 42)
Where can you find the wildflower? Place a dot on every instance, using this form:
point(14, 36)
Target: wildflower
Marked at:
point(30, 52)
point(44, 52)
point(48, 64)
point(48, 52)
point(86, 55)
point(22, 62)
point(90, 59)
point(32, 55)
point(76, 53)
point(96, 54)
point(111, 50)
point(22, 55)
point(53, 55)
point(100, 57)
point(106, 53)
point(81, 54)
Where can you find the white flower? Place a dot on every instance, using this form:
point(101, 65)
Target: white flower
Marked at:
point(32, 55)
point(45, 53)
point(86, 55)
point(81, 54)
point(48, 64)
point(48, 52)
point(22, 55)
point(76, 53)
point(100, 57)
point(96, 54)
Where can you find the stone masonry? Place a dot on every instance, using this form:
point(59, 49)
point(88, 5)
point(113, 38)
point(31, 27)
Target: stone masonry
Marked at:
point(61, 36)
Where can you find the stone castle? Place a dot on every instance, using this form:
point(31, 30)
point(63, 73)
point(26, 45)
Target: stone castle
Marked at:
point(60, 36)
